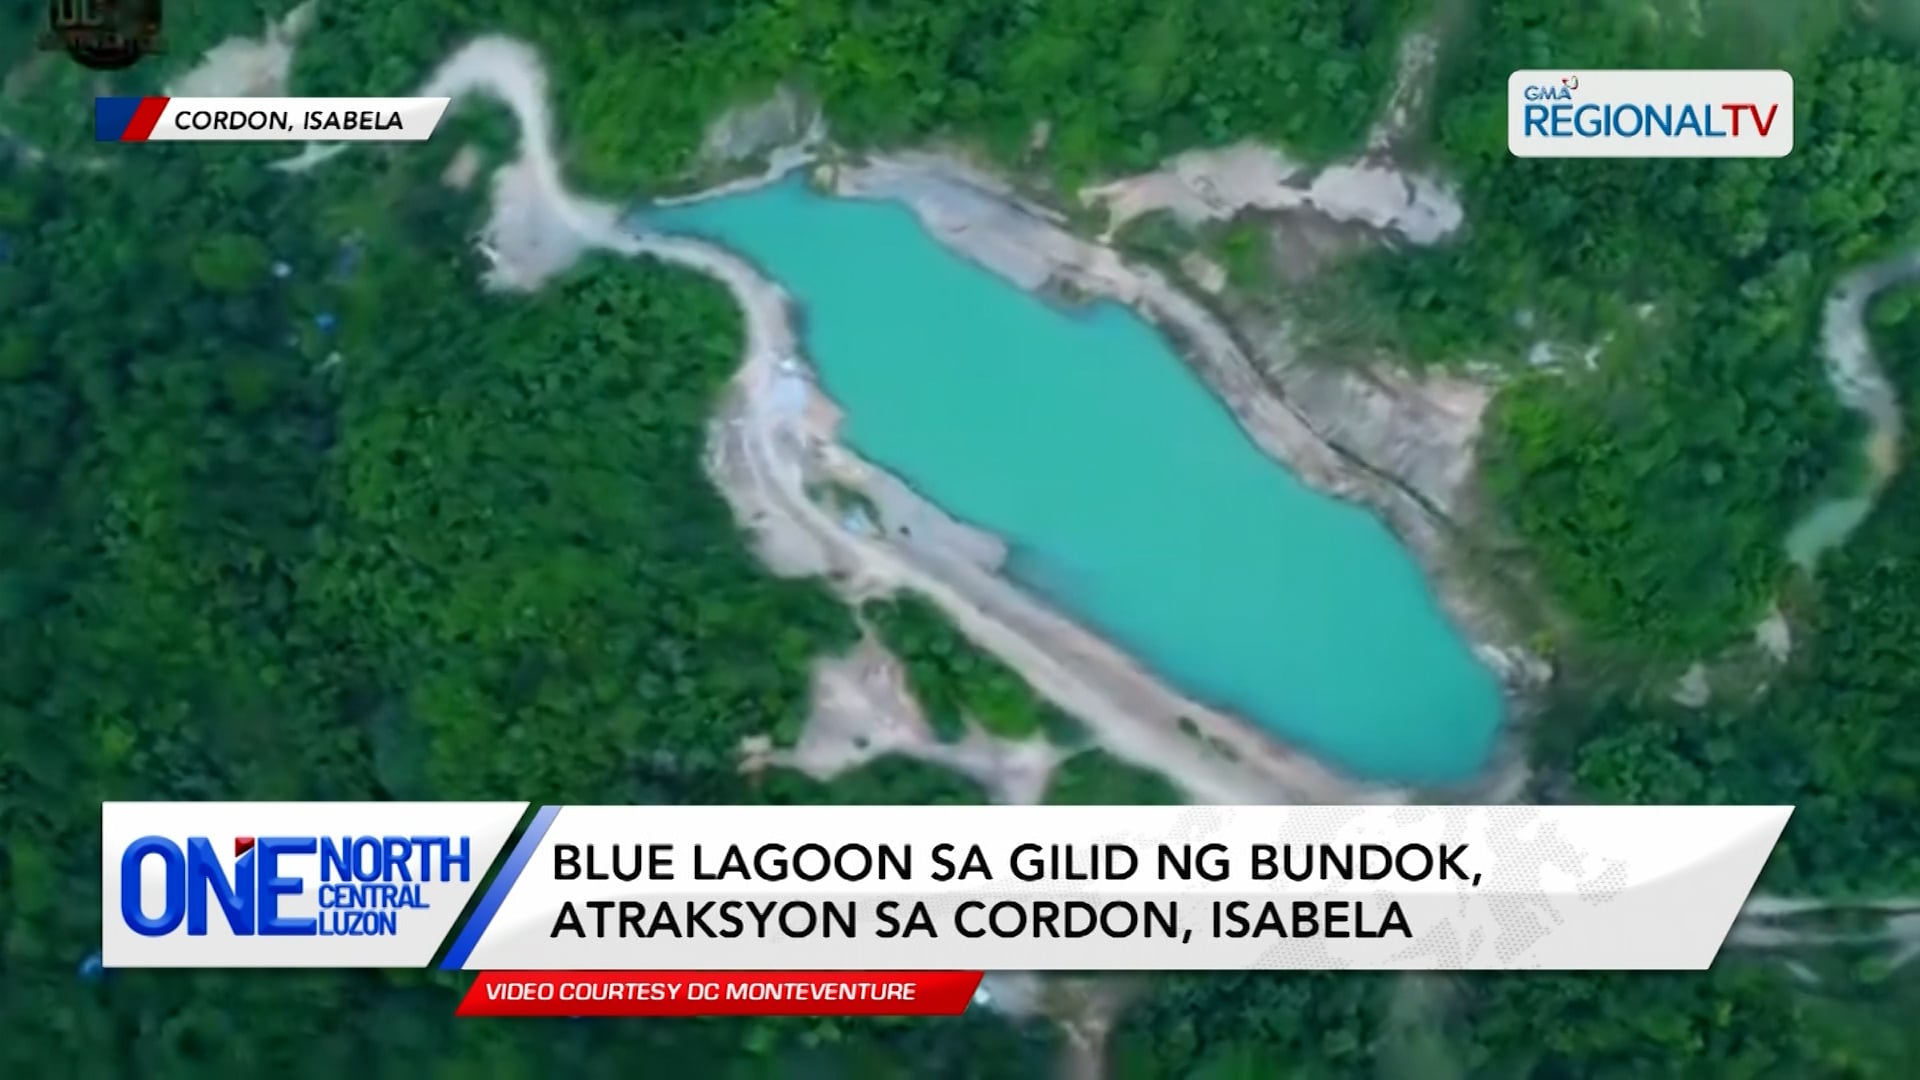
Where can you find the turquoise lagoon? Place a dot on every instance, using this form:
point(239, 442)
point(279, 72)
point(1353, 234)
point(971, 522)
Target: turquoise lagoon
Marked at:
point(1129, 496)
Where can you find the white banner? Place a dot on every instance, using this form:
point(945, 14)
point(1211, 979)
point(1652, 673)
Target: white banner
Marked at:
point(266, 119)
point(1650, 114)
point(226, 885)
point(1121, 888)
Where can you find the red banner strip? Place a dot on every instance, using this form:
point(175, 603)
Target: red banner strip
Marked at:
point(720, 993)
point(144, 119)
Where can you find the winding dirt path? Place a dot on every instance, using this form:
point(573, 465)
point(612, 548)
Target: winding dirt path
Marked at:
point(1858, 381)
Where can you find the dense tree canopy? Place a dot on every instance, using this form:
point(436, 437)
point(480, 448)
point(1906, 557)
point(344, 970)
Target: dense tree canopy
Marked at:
point(957, 683)
point(1245, 1026)
point(458, 547)
point(1656, 489)
point(1740, 1020)
point(1094, 777)
point(1832, 734)
point(1120, 83)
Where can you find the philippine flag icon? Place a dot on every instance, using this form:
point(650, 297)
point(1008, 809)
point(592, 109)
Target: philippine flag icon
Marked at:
point(126, 119)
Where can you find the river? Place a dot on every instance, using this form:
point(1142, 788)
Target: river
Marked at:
point(1128, 495)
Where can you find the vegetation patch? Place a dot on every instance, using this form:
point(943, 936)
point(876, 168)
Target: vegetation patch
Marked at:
point(955, 680)
point(1094, 777)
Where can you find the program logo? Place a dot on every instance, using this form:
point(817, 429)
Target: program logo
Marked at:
point(105, 35)
point(366, 883)
point(291, 884)
point(1651, 114)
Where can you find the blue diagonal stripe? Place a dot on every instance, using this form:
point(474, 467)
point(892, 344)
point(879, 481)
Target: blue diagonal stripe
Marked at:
point(111, 115)
point(502, 883)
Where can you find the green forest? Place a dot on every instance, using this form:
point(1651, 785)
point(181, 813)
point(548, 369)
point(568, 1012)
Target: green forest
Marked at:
point(1699, 281)
point(1653, 492)
point(955, 682)
point(291, 509)
point(1121, 83)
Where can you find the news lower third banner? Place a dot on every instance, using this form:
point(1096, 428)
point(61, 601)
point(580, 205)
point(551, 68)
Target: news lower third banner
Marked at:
point(266, 119)
point(750, 889)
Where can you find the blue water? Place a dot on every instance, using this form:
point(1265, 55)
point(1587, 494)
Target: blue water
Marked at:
point(1129, 495)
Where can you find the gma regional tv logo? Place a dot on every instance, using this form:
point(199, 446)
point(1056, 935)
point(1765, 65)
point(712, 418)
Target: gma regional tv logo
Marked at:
point(291, 884)
point(1650, 114)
